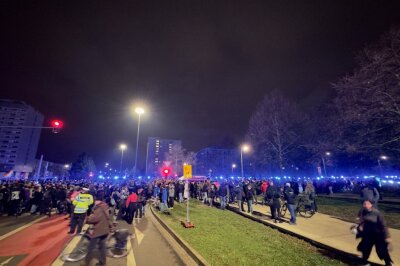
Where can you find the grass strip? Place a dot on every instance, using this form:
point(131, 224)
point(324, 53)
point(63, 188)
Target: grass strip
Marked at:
point(347, 209)
point(225, 238)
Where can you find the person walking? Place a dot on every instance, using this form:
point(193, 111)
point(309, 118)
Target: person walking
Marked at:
point(100, 228)
point(81, 206)
point(373, 231)
point(290, 198)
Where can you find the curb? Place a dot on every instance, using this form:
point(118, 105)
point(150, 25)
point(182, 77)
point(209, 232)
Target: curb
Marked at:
point(341, 253)
point(192, 253)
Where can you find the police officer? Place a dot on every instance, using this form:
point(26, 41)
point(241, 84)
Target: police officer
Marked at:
point(81, 203)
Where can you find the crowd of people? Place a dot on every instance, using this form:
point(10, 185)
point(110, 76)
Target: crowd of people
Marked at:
point(99, 204)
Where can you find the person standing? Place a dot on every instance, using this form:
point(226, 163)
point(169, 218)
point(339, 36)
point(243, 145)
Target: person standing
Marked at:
point(81, 203)
point(273, 196)
point(290, 198)
point(373, 231)
point(131, 206)
point(239, 196)
point(171, 195)
point(249, 197)
point(223, 192)
point(100, 228)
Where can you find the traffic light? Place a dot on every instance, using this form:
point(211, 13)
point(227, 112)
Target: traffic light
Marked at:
point(57, 125)
point(165, 171)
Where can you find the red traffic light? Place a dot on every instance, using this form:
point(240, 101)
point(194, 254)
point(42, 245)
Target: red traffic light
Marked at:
point(58, 124)
point(165, 171)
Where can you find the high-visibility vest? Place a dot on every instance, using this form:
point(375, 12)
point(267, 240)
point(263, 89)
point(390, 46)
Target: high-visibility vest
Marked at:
point(82, 203)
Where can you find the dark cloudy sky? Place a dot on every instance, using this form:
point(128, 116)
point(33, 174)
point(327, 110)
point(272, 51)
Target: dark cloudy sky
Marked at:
point(201, 66)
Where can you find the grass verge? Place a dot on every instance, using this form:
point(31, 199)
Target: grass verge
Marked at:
point(347, 209)
point(225, 238)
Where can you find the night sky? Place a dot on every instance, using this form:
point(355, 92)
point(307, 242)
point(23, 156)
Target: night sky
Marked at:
point(200, 66)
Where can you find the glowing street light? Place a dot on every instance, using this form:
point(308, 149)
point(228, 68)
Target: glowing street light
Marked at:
point(323, 161)
point(139, 111)
point(66, 166)
point(122, 147)
point(243, 149)
point(384, 158)
point(233, 167)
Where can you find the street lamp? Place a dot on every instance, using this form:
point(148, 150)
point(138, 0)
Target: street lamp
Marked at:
point(233, 167)
point(245, 148)
point(122, 147)
point(66, 166)
point(139, 111)
point(323, 160)
point(384, 158)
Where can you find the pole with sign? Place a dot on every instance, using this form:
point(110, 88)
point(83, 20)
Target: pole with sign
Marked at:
point(187, 174)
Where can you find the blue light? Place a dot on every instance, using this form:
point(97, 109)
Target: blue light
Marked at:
point(140, 177)
point(148, 177)
point(116, 177)
point(124, 177)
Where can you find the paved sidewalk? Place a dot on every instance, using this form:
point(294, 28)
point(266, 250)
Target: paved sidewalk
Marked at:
point(327, 230)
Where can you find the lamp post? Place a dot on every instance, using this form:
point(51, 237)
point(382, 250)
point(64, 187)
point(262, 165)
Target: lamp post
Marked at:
point(139, 111)
point(384, 158)
point(245, 148)
point(233, 167)
point(122, 147)
point(323, 160)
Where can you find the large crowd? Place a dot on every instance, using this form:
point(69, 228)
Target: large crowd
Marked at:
point(103, 202)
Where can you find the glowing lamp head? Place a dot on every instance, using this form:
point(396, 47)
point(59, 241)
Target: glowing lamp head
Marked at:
point(245, 148)
point(123, 147)
point(383, 157)
point(233, 165)
point(57, 124)
point(139, 110)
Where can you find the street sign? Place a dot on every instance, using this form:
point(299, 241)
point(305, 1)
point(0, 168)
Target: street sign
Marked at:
point(187, 171)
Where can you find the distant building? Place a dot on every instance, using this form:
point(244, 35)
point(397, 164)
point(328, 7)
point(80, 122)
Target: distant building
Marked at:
point(156, 150)
point(18, 142)
point(216, 162)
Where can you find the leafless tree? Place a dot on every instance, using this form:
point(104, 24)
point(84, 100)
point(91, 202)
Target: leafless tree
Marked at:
point(274, 129)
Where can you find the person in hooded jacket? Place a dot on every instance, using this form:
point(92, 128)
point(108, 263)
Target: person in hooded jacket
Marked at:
point(373, 232)
point(100, 228)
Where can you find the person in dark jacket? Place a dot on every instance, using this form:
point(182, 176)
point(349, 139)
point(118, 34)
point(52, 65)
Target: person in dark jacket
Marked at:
point(99, 220)
point(273, 196)
point(239, 196)
point(373, 231)
point(249, 197)
point(223, 192)
point(290, 198)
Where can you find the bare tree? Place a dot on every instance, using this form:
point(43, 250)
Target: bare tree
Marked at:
point(274, 129)
point(368, 100)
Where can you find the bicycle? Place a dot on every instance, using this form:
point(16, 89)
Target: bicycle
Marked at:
point(116, 246)
point(302, 207)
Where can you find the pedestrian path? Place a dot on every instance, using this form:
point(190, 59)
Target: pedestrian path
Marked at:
point(146, 245)
point(385, 200)
point(324, 229)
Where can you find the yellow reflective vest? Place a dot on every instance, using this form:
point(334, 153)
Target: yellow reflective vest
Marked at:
point(82, 203)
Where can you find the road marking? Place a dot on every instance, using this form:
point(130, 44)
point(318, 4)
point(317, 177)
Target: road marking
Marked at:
point(22, 227)
point(69, 248)
point(139, 235)
point(130, 259)
point(6, 261)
